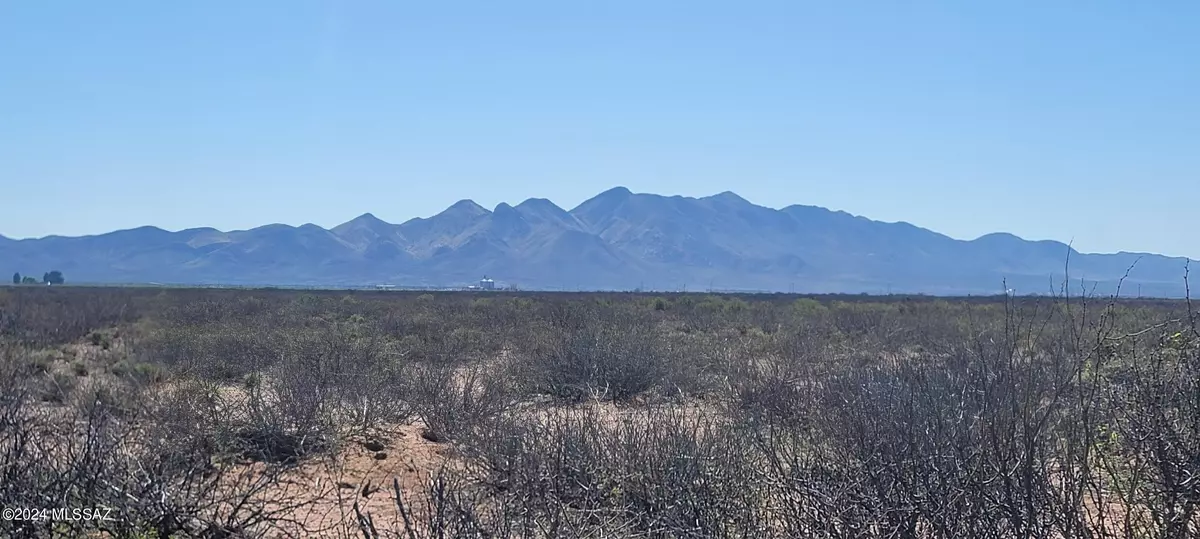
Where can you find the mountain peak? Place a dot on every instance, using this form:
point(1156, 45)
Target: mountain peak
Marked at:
point(541, 207)
point(998, 237)
point(602, 203)
point(616, 192)
point(728, 196)
point(145, 229)
point(504, 212)
point(363, 223)
point(468, 206)
point(536, 203)
point(271, 227)
point(141, 233)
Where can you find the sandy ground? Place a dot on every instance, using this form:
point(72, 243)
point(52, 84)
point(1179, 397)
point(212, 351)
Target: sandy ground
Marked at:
point(360, 475)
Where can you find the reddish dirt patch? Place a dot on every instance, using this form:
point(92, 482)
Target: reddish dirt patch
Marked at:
point(358, 475)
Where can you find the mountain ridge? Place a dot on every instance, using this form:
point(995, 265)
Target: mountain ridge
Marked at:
point(617, 239)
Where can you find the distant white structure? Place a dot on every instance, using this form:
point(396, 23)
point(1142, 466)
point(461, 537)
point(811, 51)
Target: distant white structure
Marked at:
point(487, 284)
point(385, 286)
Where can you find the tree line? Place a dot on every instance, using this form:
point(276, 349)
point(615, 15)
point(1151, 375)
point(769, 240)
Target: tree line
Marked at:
point(50, 277)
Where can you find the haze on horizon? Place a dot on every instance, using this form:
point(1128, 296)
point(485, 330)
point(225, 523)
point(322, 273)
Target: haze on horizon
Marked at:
point(1074, 122)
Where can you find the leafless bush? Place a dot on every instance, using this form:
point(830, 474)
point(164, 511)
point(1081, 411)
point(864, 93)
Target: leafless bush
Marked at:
point(451, 402)
point(44, 316)
point(614, 360)
point(655, 473)
point(1156, 436)
point(224, 352)
point(147, 468)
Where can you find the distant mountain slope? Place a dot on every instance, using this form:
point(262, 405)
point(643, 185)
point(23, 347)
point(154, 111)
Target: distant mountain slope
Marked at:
point(615, 240)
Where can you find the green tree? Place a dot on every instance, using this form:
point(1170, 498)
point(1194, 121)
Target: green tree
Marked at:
point(53, 277)
point(28, 280)
point(17, 278)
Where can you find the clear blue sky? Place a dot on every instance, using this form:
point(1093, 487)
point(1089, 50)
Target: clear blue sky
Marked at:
point(1063, 120)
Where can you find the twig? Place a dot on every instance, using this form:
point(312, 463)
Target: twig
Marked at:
point(408, 525)
point(1187, 295)
point(1159, 325)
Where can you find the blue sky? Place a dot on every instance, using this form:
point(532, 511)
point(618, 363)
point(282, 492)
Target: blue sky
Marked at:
point(1063, 120)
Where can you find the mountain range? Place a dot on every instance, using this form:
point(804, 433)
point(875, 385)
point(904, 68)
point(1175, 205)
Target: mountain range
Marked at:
point(615, 240)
